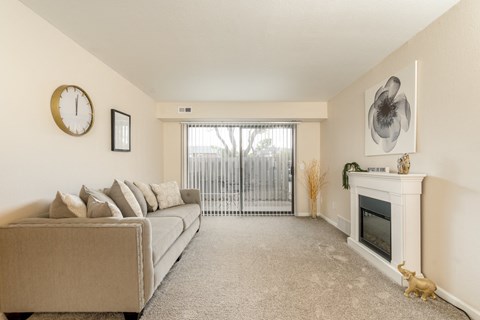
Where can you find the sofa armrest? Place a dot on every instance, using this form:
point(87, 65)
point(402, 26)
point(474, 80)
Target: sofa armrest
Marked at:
point(191, 196)
point(76, 265)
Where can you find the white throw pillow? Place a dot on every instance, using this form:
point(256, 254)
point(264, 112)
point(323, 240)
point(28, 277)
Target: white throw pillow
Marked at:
point(67, 206)
point(168, 194)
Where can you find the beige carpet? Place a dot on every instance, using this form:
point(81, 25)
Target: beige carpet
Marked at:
point(276, 268)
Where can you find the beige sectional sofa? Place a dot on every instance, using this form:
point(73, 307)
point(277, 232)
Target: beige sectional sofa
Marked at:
point(92, 264)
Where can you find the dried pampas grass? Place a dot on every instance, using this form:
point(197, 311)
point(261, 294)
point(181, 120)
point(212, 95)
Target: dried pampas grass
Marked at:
point(314, 179)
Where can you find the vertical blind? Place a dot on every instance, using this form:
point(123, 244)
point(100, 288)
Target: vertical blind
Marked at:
point(241, 169)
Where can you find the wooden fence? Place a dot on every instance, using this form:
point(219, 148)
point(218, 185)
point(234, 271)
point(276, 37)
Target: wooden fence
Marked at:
point(265, 178)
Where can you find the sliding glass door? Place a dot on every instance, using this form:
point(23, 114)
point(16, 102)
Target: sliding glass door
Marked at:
point(241, 169)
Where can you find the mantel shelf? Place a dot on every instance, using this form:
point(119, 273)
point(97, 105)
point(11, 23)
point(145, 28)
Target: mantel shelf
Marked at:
point(385, 175)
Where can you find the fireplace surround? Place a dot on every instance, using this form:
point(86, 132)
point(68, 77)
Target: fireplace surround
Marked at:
point(402, 195)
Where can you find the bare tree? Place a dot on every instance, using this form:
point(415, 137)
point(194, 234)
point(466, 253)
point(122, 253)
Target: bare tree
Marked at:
point(252, 134)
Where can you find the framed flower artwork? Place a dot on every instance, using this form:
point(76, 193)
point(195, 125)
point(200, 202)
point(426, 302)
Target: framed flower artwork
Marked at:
point(391, 114)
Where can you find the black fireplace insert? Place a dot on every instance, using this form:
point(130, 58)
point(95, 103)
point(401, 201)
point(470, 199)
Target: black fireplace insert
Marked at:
point(375, 226)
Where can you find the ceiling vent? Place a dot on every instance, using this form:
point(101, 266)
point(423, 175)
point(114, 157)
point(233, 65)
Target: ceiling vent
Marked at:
point(184, 109)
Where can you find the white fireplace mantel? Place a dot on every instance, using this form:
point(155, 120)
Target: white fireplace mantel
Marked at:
point(403, 192)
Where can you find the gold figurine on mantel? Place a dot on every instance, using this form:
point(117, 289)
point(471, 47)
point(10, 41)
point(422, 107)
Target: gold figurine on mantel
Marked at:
point(417, 285)
point(403, 164)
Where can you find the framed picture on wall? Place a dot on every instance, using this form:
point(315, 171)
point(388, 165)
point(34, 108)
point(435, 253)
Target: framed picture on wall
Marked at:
point(121, 131)
point(391, 114)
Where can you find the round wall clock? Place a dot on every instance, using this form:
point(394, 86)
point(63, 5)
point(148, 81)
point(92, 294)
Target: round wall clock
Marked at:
point(72, 110)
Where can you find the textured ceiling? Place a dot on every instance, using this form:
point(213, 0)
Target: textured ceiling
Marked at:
point(247, 50)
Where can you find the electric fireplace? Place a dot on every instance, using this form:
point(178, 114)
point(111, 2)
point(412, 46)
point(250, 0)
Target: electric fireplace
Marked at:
point(385, 215)
point(375, 226)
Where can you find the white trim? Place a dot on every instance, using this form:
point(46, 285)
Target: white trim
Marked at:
point(184, 158)
point(472, 312)
point(324, 217)
point(343, 225)
point(302, 214)
point(307, 214)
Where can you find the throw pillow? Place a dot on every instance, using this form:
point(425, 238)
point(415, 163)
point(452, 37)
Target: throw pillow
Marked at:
point(139, 196)
point(152, 203)
point(125, 199)
point(85, 192)
point(168, 194)
point(67, 206)
point(101, 209)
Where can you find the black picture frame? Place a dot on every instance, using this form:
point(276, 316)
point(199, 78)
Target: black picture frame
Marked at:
point(121, 131)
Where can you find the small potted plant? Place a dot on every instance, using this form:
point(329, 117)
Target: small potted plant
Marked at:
point(314, 180)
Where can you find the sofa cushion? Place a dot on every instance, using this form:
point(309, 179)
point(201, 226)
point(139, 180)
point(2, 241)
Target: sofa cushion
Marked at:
point(165, 231)
point(152, 203)
point(67, 206)
point(101, 209)
point(168, 194)
point(125, 199)
point(139, 196)
point(187, 212)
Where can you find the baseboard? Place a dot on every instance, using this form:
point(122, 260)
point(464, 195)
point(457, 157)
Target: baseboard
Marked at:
point(302, 214)
point(344, 225)
point(341, 224)
point(324, 217)
point(472, 312)
point(307, 214)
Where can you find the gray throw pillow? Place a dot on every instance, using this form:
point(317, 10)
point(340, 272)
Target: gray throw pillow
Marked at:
point(125, 199)
point(139, 196)
point(67, 206)
point(152, 203)
point(101, 209)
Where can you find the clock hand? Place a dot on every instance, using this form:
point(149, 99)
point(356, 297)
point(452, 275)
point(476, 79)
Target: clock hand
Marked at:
point(76, 105)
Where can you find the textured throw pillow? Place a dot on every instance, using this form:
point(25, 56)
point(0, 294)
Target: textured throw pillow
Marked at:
point(101, 209)
point(139, 196)
point(168, 194)
point(67, 206)
point(125, 199)
point(150, 197)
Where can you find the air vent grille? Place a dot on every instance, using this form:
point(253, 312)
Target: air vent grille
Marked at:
point(184, 109)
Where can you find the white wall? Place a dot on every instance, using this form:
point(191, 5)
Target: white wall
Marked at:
point(448, 145)
point(37, 158)
point(308, 132)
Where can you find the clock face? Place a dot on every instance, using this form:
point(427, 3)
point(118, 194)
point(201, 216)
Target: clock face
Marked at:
point(72, 110)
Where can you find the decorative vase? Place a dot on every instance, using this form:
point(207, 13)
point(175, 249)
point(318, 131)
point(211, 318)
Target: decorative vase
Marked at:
point(313, 208)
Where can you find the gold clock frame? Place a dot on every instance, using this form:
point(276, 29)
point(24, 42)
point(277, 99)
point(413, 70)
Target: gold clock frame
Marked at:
point(55, 108)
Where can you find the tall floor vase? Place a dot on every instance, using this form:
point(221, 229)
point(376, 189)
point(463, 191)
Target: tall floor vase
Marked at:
point(313, 208)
